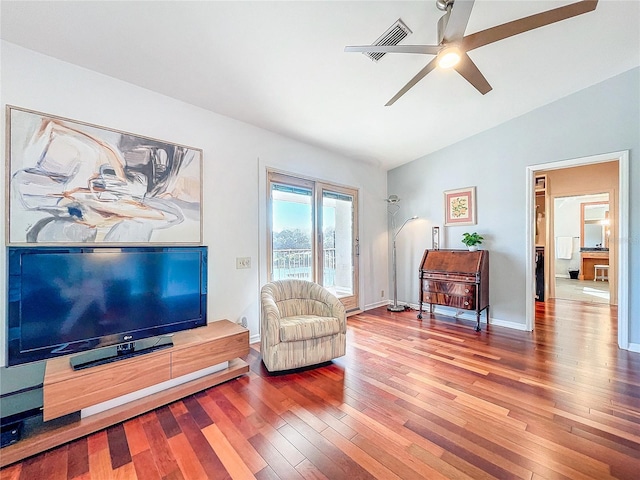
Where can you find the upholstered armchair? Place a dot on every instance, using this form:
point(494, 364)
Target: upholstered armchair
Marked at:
point(302, 324)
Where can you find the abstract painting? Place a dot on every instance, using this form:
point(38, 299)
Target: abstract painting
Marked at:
point(460, 206)
point(75, 183)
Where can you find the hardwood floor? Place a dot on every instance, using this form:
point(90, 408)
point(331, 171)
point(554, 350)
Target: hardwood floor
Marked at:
point(410, 400)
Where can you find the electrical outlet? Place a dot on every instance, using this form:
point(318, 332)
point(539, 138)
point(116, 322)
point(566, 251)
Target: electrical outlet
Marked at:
point(243, 262)
point(381, 293)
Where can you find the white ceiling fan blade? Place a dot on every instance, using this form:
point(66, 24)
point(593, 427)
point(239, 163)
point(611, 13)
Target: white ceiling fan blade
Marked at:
point(458, 20)
point(420, 49)
point(420, 75)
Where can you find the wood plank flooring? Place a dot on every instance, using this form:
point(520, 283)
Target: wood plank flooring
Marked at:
point(410, 400)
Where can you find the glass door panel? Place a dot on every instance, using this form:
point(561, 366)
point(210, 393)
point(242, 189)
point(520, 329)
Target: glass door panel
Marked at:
point(291, 233)
point(339, 244)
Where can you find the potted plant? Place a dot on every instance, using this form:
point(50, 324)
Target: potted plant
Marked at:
point(472, 240)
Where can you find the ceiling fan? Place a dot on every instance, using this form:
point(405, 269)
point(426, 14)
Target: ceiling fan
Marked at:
point(453, 44)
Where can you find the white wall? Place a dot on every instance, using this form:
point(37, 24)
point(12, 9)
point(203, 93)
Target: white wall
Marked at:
point(600, 119)
point(235, 158)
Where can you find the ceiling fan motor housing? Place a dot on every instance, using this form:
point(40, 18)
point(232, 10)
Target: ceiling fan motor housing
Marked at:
point(444, 5)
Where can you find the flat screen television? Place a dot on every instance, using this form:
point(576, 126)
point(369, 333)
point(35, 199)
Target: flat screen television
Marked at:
point(67, 300)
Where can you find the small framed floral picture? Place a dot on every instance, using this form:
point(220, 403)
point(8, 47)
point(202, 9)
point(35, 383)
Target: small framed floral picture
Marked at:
point(460, 207)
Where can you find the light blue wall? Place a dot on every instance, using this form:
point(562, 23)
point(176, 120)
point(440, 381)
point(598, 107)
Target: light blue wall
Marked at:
point(600, 119)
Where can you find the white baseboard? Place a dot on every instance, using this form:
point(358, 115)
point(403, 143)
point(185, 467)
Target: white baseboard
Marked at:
point(452, 312)
point(371, 306)
point(455, 313)
point(254, 338)
point(508, 324)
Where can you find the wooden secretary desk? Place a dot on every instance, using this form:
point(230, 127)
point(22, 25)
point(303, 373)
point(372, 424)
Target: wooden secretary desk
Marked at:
point(455, 278)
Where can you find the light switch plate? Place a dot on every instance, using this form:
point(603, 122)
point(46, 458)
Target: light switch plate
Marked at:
point(243, 262)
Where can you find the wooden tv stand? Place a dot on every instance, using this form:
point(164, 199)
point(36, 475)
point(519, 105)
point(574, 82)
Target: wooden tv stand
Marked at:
point(66, 391)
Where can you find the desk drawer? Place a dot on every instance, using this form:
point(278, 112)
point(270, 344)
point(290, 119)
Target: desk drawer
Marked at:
point(466, 303)
point(451, 288)
point(451, 277)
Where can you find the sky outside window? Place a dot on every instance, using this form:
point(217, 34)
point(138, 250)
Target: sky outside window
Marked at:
point(292, 215)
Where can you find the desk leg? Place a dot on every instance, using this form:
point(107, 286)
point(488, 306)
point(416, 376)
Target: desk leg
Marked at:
point(486, 312)
point(420, 312)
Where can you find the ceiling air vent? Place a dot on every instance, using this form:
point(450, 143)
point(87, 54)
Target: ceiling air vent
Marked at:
point(393, 36)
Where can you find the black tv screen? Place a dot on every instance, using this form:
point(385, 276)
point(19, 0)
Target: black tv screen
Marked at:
point(68, 300)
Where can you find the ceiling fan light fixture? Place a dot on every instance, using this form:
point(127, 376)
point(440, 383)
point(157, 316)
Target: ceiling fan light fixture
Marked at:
point(449, 57)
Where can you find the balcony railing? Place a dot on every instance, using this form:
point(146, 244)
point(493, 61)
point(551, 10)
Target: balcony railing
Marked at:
point(297, 263)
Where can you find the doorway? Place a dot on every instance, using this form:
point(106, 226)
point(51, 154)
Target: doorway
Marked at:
point(313, 234)
point(581, 230)
point(619, 261)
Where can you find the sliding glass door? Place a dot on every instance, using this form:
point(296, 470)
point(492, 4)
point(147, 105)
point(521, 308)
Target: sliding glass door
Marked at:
point(313, 234)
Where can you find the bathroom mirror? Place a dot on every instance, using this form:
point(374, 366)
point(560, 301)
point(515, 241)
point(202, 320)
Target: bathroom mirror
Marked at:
point(595, 225)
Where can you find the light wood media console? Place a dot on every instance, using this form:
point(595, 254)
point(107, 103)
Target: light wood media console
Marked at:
point(66, 391)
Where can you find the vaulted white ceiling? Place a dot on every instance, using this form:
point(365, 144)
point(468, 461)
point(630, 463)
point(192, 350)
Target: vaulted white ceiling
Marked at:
point(281, 65)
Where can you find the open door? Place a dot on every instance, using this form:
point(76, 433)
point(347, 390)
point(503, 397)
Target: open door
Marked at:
point(313, 234)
